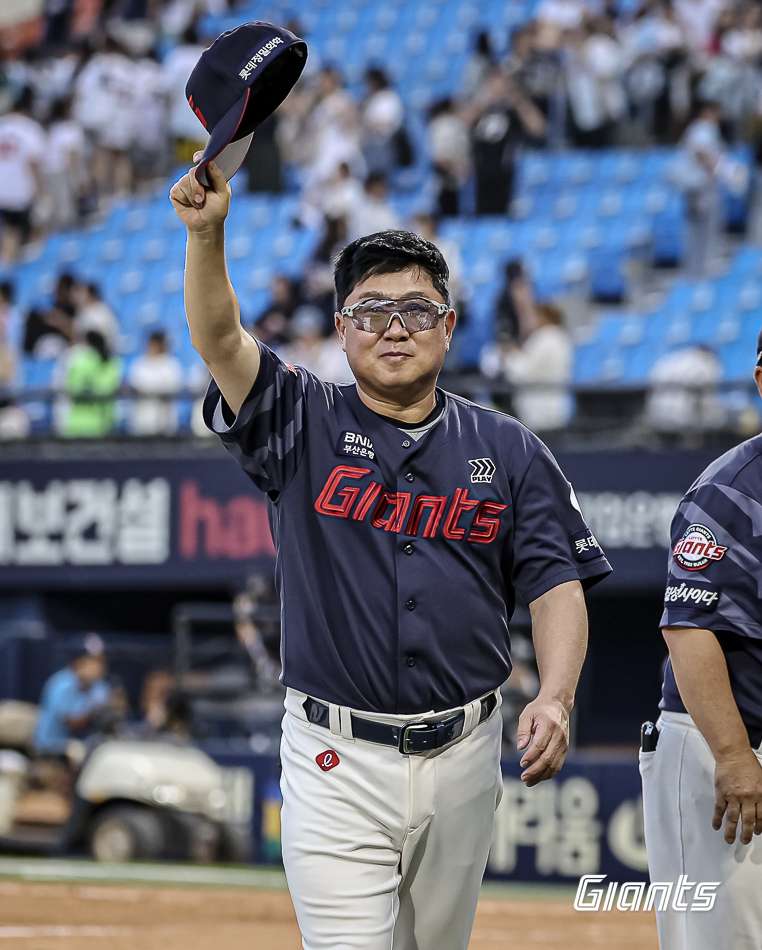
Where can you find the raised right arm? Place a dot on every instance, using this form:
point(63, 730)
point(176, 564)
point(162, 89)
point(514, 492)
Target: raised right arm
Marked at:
point(211, 306)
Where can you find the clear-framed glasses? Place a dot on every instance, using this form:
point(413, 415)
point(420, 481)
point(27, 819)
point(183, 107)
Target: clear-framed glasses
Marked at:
point(414, 313)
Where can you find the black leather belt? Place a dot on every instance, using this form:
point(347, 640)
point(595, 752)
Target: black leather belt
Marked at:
point(410, 738)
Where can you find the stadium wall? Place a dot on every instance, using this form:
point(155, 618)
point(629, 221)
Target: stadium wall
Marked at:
point(177, 520)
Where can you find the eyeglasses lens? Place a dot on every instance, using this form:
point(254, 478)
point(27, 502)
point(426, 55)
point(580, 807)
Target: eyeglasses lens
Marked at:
point(417, 314)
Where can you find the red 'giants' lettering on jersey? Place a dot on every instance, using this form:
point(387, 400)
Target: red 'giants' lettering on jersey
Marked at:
point(402, 512)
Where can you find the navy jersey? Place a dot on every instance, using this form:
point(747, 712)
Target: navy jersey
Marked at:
point(397, 558)
point(715, 572)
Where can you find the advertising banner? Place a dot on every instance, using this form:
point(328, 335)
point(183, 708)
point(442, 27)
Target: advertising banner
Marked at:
point(133, 522)
point(185, 521)
point(588, 820)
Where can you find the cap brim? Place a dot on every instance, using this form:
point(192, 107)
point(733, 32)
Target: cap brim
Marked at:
point(223, 148)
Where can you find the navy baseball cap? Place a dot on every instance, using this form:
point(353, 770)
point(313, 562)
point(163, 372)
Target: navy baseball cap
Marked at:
point(237, 83)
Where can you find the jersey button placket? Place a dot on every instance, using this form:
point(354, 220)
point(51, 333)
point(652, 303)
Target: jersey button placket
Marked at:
point(410, 477)
point(408, 549)
point(406, 444)
point(410, 604)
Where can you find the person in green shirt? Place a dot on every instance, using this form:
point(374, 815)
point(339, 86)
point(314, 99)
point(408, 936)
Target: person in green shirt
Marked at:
point(92, 381)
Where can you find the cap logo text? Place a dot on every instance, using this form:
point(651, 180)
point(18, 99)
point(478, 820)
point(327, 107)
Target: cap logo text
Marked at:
point(259, 57)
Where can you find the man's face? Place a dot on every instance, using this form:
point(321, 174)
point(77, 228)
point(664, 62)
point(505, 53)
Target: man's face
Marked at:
point(89, 670)
point(396, 364)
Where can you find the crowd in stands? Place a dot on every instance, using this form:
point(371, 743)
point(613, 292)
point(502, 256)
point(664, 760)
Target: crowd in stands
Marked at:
point(96, 117)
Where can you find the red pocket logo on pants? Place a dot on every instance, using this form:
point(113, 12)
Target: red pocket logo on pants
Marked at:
point(327, 760)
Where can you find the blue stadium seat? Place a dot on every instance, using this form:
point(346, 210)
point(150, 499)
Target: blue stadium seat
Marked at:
point(638, 363)
point(751, 324)
point(37, 375)
point(669, 233)
point(704, 328)
point(608, 281)
point(747, 263)
point(737, 361)
point(690, 297)
point(596, 364)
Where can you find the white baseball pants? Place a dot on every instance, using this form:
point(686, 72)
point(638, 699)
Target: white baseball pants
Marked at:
point(678, 802)
point(385, 851)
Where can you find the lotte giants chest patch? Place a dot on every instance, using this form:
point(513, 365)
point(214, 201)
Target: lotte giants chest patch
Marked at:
point(697, 548)
point(356, 446)
point(327, 760)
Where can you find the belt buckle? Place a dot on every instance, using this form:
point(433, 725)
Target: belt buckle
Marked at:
point(405, 738)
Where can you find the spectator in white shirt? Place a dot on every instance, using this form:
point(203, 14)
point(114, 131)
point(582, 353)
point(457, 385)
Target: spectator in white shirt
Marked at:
point(104, 107)
point(374, 212)
point(541, 370)
point(186, 130)
point(310, 349)
point(594, 70)
point(93, 313)
point(64, 166)
point(329, 138)
point(682, 392)
point(152, 94)
point(426, 226)
point(156, 377)
point(337, 197)
point(22, 149)
point(698, 174)
point(450, 148)
point(116, 133)
point(382, 117)
point(563, 14)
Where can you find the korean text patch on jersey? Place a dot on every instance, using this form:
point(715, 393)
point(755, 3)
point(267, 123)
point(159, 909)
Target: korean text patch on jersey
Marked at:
point(697, 548)
point(585, 546)
point(356, 445)
point(691, 594)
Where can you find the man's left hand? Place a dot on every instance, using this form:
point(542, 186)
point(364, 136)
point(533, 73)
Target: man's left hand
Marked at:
point(543, 738)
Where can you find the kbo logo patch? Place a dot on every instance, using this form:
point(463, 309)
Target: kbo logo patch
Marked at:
point(697, 548)
point(327, 760)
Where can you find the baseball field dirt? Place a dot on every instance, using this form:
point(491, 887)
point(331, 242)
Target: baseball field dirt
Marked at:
point(98, 917)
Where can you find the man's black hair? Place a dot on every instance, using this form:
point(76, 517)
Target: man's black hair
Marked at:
point(377, 77)
point(25, 101)
point(98, 342)
point(389, 252)
point(375, 178)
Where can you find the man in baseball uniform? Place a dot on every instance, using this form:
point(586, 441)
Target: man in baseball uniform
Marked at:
point(406, 521)
point(702, 763)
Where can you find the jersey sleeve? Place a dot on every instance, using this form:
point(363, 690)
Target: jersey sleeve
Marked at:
point(267, 436)
point(713, 573)
point(552, 544)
